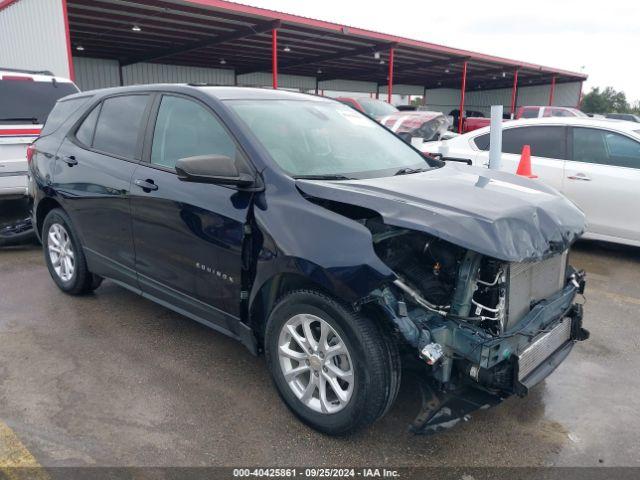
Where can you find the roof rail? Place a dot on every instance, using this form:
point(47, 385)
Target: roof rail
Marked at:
point(34, 72)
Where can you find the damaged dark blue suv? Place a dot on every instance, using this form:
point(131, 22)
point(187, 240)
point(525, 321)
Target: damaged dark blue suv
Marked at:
point(310, 232)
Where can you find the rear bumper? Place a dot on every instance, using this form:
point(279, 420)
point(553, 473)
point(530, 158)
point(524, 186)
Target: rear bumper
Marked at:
point(13, 185)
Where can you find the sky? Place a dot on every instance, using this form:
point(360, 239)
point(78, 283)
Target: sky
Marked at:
point(601, 39)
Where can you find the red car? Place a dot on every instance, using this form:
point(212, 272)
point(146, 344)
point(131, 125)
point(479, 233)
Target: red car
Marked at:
point(369, 106)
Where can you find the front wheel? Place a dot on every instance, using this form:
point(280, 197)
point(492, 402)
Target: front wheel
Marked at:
point(333, 368)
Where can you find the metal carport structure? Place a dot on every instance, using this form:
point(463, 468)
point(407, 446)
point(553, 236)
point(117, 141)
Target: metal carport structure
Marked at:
point(247, 42)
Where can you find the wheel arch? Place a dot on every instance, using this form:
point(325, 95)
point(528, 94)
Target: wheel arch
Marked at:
point(42, 210)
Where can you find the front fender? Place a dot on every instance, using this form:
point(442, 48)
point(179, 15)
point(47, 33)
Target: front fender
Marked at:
point(301, 238)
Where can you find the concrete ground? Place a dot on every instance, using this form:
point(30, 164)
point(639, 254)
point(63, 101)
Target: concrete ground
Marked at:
point(113, 379)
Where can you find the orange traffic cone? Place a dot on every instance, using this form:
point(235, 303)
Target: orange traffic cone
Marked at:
point(524, 167)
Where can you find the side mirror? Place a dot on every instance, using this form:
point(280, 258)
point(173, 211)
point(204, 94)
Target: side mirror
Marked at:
point(218, 169)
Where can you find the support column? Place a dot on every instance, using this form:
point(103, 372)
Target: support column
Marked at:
point(514, 93)
point(377, 91)
point(552, 91)
point(424, 97)
point(580, 96)
point(67, 35)
point(274, 57)
point(390, 83)
point(462, 91)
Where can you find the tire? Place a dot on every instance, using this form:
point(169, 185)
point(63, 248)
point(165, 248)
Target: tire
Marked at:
point(69, 271)
point(356, 346)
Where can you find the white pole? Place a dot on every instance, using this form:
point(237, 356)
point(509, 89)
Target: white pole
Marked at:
point(495, 137)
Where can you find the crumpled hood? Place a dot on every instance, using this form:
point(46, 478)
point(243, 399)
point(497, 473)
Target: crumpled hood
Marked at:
point(493, 213)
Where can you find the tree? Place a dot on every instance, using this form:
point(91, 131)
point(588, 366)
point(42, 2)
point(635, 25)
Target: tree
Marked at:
point(605, 101)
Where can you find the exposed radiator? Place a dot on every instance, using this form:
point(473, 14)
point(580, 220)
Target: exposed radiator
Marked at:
point(542, 347)
point(530, 282)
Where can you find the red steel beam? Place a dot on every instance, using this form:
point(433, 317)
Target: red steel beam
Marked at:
point(552, 90)
point(67, 36)
point(390, 84)
point(580, 96)
point(514, 92)
point(464, 86)
point(274, 57)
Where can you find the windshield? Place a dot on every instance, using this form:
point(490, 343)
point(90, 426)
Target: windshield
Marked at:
point(377, 108)
point(312, 138)
point(27, 101)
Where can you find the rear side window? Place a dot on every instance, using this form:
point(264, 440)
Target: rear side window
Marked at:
point(546, 142)
point(186, 129)
point(85, 133)
point(529, 113)
point(60, 113)
point(119, 125)
point(23, 100)
point(606, 148)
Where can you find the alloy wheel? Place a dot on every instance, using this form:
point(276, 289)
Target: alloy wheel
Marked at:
point(61, 252)
point(316, 363)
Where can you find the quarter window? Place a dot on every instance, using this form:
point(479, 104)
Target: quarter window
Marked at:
point(85, 133)
point(119, 125)
point(606, 148)
point(61, 111)
point(186, 129)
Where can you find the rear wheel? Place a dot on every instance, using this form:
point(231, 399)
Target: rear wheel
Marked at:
point(333, 368)
point(64, 256)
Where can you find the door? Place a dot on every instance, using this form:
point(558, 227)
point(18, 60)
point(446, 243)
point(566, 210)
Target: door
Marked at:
point(188, 236)
point(548, 151)
point(602, 178)
point(93, 173)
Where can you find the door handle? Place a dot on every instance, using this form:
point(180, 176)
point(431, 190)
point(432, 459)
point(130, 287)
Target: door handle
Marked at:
point(146, 185)
point(580, 176)
point(70, 160)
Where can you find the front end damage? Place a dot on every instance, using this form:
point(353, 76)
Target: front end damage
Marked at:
point(483, 329)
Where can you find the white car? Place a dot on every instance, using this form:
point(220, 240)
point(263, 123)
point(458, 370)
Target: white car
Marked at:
point(26, 98)
point(595, 163)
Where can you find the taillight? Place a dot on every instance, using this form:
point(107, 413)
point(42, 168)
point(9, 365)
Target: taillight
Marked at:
point(31, 149)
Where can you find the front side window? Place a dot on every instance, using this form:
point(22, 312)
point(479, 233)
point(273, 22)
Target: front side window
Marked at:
point(606, 148)
point(314, 138)
point(184, 129)
point(119, 125)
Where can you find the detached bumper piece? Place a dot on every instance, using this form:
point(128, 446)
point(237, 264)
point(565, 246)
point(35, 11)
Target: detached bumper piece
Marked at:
point(443, 410)
point(16, 232)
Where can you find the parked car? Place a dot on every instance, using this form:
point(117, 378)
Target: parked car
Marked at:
point(311, 233)
point(407, 108)
point(629, 117)
point(376, 109)
point(595, 163)
point(26, 98)
point(471, 123)
point(543, 112)
point(423, 125)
